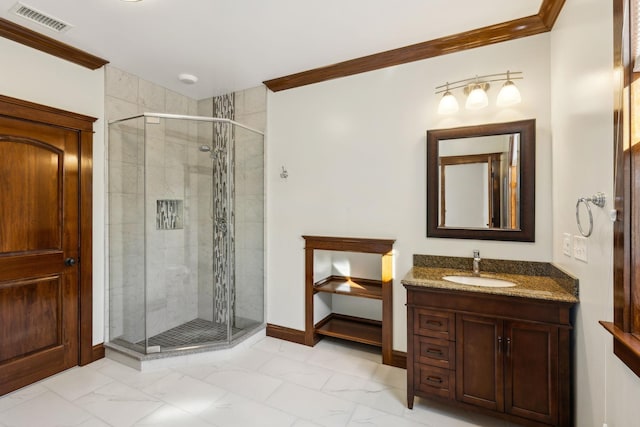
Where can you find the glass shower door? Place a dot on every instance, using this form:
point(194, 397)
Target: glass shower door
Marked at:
point(249, 304)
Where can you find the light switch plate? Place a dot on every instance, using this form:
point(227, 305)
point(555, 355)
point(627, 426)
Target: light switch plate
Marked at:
point(580, 248)
point(566, 244)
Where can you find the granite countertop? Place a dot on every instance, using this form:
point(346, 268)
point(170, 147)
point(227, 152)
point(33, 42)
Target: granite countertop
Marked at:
point(544, 287)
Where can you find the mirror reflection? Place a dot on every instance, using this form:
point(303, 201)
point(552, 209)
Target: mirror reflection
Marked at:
point(481, 182)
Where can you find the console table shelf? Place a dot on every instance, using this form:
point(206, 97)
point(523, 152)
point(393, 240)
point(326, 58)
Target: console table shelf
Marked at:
point(365, 288)
point(350, 328)
point(357, 329)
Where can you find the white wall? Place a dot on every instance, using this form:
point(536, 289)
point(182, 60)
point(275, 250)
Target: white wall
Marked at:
point(34, 76)
point(582, 128)
point(355, 150)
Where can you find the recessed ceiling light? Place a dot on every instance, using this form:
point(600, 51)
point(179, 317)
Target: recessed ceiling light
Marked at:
point(187, 78)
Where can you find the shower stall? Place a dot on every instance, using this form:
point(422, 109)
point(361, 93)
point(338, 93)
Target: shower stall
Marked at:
point(185, 232)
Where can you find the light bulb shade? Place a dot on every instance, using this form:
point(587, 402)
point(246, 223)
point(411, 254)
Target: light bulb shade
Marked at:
point(448, 104)
point(508, 95)
point(477, 98)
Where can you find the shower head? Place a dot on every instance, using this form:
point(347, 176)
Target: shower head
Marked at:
point(205, 148)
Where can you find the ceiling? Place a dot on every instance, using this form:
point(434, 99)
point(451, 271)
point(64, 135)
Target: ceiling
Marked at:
point(236, 44)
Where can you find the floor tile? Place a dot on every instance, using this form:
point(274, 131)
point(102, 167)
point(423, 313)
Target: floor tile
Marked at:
point(238, 411)
point(365, 416)
point(390, 375)
point(245, 383)
point(272, 383)
point(45, 410)
point(93, 422)
point(130, 376)
point(285, 348)
point(305, 423)
point(376, 395)
point(201, 371)
point(76, 382)
point(252, 359)
point(20, 396)
point(312, 405)
point(184, 392)
point(436, 414)
point(345, 363)
point(118, 404)
point(170, 416)
point(297, 372)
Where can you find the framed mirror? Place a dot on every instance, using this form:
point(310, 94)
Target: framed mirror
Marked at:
point(481, 182)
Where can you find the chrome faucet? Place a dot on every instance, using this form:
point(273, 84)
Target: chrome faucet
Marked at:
point(476, 262)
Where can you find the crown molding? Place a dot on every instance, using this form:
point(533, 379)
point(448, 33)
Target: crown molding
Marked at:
point(497, 33)
point(28, 37)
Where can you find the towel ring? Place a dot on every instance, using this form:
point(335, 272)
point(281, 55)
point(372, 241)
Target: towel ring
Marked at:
point(598, 199)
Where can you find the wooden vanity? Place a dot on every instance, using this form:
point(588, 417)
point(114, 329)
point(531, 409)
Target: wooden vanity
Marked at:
point(502, 351)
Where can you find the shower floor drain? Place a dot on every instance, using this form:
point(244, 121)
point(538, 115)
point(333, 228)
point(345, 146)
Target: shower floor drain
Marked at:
point(194, 332)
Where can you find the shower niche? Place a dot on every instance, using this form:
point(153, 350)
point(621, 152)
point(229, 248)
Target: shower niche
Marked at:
point(186, 233)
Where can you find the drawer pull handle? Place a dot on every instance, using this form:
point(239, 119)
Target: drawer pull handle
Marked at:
point(434, 322)
point(434, 351)
point(436, 380)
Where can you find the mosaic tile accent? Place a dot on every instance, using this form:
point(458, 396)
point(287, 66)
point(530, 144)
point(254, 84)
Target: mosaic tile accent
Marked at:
point(223, 213)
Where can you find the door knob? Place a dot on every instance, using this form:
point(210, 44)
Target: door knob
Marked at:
point(70, 262)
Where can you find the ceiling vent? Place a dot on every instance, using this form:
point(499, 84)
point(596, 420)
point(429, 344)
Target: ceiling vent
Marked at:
point(41, 18)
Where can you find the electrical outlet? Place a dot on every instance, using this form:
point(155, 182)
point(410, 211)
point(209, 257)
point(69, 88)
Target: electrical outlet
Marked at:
point(566, 244)
point(580, 248)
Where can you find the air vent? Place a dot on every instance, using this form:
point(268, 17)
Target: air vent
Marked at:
point(41, 18)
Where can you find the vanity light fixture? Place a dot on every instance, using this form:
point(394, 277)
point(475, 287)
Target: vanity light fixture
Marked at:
point(509, 94)
point(475, 88)
point(448, 103)
point(476, 95)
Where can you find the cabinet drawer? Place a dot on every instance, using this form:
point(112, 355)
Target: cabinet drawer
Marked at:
point(435, 323)
point(435, 381)
point(434, 352)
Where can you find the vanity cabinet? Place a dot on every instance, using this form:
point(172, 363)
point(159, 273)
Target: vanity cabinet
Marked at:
point(502, 355)
point(508, 366)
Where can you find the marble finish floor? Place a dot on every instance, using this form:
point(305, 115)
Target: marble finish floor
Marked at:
point(272, 383)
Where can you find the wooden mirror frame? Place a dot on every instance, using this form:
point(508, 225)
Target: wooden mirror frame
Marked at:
point(527, 131)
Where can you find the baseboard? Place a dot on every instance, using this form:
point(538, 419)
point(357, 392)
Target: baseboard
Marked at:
point(399, 359)
point(97, 352)
point(286, 334)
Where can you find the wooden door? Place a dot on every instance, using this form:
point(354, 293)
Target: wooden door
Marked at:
point(479, 361)
point(39, 249)
point(531, 371)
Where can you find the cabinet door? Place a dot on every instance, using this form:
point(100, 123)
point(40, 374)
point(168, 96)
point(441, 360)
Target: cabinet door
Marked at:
point(479, 361)
point(531, 377)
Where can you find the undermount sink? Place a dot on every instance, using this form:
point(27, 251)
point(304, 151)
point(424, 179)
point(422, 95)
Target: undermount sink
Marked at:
point(487, 282)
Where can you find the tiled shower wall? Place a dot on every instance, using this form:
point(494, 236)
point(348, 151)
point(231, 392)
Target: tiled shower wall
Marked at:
point(172, 255)
point(249, 108)
point(179, 262)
